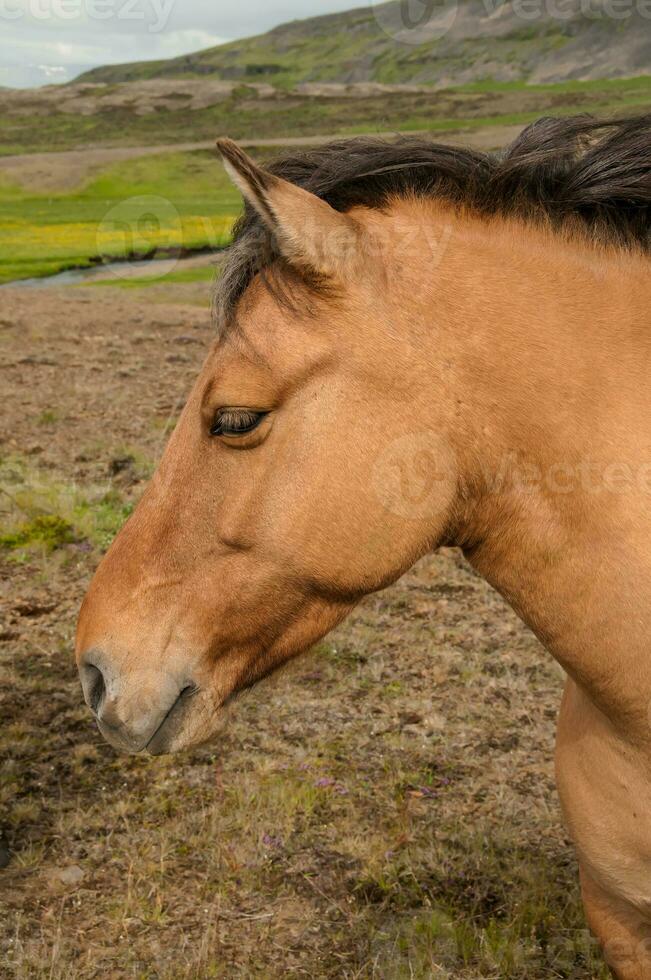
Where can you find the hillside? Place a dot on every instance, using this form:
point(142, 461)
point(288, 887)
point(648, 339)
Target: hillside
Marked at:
point(359, 71)
point(476, 40)
point(184, 111)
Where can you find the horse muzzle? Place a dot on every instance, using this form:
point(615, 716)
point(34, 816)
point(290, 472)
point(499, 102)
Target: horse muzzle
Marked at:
point(136, 710)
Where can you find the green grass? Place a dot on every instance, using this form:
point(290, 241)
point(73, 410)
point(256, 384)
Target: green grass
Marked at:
point(48, 531)
point(244, 116)
point(628, 86)
point(184, 201)
point(178, 276)
point(40, 512)
point(426, 124)
point(137, 208)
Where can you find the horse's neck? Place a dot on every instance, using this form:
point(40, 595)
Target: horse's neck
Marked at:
point(554, 371)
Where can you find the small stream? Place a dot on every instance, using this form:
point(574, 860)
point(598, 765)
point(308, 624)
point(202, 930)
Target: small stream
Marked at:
point(152, 268)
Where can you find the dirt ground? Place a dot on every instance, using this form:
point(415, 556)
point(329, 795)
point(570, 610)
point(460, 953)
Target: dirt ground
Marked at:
point(63, 171)
point(385, 808)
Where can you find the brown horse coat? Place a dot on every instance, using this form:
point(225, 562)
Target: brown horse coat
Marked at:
point(480, 324)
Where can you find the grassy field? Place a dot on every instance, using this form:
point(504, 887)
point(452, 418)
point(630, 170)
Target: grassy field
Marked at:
point(385, 809)
point(286, 114)
point(184, 201)
point(141, 207)
point(183, 276)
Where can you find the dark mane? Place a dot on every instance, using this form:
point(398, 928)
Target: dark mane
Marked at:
point(569, 173)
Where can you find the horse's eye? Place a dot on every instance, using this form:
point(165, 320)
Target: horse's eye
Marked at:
point(236, 422)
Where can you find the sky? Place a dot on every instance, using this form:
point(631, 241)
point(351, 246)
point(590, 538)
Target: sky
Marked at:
point(45, 41)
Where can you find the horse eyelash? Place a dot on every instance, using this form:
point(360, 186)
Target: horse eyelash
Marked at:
point(232, 418)
point(236, 420)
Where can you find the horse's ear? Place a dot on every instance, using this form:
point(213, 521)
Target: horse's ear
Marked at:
point(309, 232)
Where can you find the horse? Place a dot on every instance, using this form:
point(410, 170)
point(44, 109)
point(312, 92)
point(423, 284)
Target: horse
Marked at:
point(400, 314)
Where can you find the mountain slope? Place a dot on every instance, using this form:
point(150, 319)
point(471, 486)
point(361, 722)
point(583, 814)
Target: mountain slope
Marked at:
point(474, 40)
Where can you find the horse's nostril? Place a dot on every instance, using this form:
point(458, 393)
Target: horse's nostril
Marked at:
point(135, 710)
point(94, 686)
